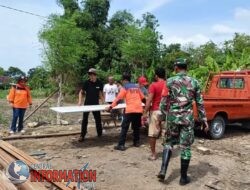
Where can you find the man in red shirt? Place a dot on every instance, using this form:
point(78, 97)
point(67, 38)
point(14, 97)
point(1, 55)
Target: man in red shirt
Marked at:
point(152, 104)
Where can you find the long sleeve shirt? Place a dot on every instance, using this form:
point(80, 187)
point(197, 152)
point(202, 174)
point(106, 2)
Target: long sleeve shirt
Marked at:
point(20, 96)
point(132, 96)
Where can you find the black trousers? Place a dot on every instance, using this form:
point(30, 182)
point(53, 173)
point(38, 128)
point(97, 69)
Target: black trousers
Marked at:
point(98, 123)
point(135, 119)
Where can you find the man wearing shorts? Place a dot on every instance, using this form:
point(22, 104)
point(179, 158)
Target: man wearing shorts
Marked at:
point(152, 104)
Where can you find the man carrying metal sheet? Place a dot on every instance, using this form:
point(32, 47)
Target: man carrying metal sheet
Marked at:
point(92, 89)
point(133, 111)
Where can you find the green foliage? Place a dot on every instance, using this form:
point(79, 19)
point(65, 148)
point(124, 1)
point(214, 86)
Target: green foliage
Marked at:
point(201, 73)
point(3, 120)
point(39, 78)
point(41, 93)
point(65, 44)
point(14, 73)
point(84, 37)
point(1, 71)
point(139, 48)
point(3, 94)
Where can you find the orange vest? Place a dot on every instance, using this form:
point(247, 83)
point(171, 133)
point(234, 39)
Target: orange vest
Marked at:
point(133, 98)
point(20, 96)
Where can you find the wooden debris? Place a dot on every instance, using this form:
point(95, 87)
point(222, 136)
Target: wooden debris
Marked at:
point(37, 153)
point(6, 159)
point(5, 183)
point(9, 153)
point(40, 136)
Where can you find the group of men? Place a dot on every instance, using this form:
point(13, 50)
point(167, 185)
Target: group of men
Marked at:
point(166, 101)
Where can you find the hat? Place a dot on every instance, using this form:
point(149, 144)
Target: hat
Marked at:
point(180, 61)
point(22, 78)
point(142, 80)
point(92, 71)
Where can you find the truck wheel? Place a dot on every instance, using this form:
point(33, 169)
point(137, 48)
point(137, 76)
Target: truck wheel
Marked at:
point(217, 127)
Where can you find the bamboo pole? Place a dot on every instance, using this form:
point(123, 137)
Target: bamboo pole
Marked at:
point(40, 105)
point(40, 136)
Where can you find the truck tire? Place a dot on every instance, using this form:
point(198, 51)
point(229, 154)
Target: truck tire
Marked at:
point(217, 127)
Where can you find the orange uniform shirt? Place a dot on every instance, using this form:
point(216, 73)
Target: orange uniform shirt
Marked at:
point(20, 96)
point(132, 96)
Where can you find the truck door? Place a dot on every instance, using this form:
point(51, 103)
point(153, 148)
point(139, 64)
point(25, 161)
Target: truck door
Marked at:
point(241, 94)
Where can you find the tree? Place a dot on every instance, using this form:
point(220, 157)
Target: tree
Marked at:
point(64, 45)
point(202, 71)
point(117, 32)
point(69, 6)
point(140, 49)
point(237, 52)
point(171, 53)
point(120, 20)
point(38, 78)
point(1, 71)
point(98, 9)
point(14, 72)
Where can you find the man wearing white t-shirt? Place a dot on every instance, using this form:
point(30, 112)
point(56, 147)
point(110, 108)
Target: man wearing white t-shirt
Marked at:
point(110, 90)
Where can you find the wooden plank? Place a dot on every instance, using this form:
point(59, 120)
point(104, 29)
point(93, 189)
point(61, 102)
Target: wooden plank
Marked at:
point(40, 136)
point(6, 160)
point(20, 155)
point(5, 183)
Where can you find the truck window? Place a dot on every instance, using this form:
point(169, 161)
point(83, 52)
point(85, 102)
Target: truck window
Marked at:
point(226, 83)
point(239, 83)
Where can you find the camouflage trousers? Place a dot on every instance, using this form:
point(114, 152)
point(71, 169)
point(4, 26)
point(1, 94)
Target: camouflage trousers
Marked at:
point(179, 134)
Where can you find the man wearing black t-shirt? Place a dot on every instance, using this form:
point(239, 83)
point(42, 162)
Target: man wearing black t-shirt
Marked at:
point(92, 89)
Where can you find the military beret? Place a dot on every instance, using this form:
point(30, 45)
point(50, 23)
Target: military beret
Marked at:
point(180, 61)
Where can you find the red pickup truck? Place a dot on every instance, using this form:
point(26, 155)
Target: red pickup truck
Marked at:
point(226, 99)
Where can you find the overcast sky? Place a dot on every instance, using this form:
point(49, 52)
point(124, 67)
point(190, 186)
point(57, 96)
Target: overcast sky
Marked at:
point(181, 21)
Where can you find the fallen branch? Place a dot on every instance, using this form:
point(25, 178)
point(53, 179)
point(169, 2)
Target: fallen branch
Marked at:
point(211, 187)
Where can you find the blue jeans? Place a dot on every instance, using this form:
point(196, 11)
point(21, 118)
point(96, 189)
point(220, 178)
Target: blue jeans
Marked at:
point(18, 113)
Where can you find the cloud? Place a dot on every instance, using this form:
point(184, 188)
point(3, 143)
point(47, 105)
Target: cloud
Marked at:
point(196, 39)
point(223, 29)
point(151, 6)
point(20, 45)
point(242, 14)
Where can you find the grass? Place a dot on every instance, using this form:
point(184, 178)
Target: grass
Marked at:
point(37, 93)
point(3, 94)
point(3, 120)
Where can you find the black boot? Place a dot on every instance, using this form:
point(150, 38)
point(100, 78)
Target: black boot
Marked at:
point(165, 160)
point(184, 168)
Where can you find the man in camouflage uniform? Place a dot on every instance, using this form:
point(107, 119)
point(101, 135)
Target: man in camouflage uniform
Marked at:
point(183, 90)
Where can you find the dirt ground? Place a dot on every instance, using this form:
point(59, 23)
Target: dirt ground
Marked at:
point(225, 166)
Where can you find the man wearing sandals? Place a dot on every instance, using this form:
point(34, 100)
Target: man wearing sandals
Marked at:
point(152, 104)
